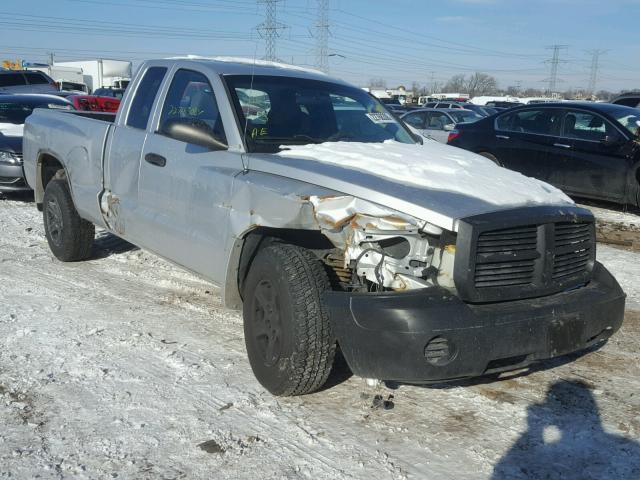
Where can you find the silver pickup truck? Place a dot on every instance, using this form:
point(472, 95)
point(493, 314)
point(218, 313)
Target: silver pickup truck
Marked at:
point(328, 223)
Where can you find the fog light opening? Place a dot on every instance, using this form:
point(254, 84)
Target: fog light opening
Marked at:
point(440, 351)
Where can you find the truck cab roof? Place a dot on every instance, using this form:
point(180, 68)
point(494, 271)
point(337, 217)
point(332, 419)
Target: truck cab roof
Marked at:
point(248, 66)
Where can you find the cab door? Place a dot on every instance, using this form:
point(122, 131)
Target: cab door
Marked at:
point(124, 154)
point(593, 156)
point(185, 186)
point(523, 139)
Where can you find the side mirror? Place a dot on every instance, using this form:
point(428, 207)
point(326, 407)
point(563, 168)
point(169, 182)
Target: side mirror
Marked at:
point(193, 131)
point(449, 127)
point(611, 140)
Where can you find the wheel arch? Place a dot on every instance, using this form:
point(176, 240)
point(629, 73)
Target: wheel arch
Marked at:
point(48, 167)
point(246, 246)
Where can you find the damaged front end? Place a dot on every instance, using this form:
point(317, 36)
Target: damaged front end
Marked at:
point(379, 249)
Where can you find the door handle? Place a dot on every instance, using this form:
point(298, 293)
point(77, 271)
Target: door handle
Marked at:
point(561, 145)
point(503, 137)
point(155, 159)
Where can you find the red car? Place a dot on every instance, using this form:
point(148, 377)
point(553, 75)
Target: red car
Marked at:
point(95, 103)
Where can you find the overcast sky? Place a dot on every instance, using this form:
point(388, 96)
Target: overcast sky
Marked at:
point(399, 40)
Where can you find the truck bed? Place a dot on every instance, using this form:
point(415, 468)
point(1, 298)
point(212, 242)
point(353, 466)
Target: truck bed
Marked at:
point(76, 138)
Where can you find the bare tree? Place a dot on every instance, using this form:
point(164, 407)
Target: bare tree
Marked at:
point(512, 91)
point(378, 83)
point(457, 83)
point(605, 95)
point(481, 84)
point(532, 92)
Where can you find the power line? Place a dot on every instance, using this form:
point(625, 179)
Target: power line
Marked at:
point(555, 61)
point(270, 29)
point(322, 36)
point(595, 66)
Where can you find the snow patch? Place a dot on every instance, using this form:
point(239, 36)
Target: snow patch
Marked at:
point(436, 167)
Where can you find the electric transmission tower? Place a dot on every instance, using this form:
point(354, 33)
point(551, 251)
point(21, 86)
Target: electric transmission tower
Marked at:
point(270, 29)
point(322, 36)
point(555, 62)
point(595, 67)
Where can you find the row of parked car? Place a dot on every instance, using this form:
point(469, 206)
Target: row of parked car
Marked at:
point(587, 149)
point(36, 82)
point(23, 91)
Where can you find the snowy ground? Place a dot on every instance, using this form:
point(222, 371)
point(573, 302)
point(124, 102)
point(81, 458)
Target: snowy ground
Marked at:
point(617, 225)
point(126, 367)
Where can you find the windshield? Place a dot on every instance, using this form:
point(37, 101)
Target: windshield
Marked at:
point(629, 118)
point(465, 117)
point(17, 112)
point(278, 111)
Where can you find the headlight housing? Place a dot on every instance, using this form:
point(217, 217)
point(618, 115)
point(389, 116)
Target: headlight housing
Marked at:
point(9, 157)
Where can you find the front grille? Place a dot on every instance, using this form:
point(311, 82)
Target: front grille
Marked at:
point(506, 257)
point(19, 157)
point(572, 249)
point(500, 257)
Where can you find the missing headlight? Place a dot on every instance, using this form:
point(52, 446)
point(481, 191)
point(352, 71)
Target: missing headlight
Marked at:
point(395, 247)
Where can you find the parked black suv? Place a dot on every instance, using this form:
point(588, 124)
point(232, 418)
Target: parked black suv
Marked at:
point(588, 150)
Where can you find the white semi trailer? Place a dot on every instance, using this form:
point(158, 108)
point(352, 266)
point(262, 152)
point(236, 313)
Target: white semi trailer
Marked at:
point(102, 72)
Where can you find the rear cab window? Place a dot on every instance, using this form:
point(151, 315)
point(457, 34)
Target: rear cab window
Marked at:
point(142, 104)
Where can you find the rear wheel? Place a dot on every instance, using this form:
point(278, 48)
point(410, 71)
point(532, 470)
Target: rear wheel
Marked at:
point(70, 237)
point(286, 325)
point(491, 157)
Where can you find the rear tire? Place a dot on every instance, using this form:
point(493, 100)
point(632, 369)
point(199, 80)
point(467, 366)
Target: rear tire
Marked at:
point(491, 157)
point(70, 237)
point(286, 325)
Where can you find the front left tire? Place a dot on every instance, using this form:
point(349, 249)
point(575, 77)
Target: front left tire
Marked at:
point(288, 335)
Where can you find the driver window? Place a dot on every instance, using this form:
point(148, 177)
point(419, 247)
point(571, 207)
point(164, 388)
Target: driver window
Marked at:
point(586, 126)
point(437, 121)
point(190, 99)
point(416, 120)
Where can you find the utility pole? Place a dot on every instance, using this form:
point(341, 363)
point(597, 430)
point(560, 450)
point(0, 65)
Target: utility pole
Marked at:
point(432, 82)
point(270, 29)
point(322, 36)
point(595, 66)
point(555, 61)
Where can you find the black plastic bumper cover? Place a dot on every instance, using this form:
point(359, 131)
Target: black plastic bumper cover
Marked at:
point(385, 336)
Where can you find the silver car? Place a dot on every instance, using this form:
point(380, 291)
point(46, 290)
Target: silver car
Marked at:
point(25, 81)
point(437, 124)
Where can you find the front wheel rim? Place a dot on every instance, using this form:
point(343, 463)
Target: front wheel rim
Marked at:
point(54, 221)
point(267, 323)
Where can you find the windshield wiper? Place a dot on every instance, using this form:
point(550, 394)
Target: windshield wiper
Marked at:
point(286, 140)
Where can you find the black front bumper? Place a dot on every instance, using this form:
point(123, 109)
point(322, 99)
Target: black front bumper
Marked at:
point(431, 335)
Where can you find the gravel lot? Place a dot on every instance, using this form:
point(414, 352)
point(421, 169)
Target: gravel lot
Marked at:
point(127, 367)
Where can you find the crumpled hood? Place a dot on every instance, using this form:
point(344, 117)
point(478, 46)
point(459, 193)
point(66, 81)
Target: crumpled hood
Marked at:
point(434, 182)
